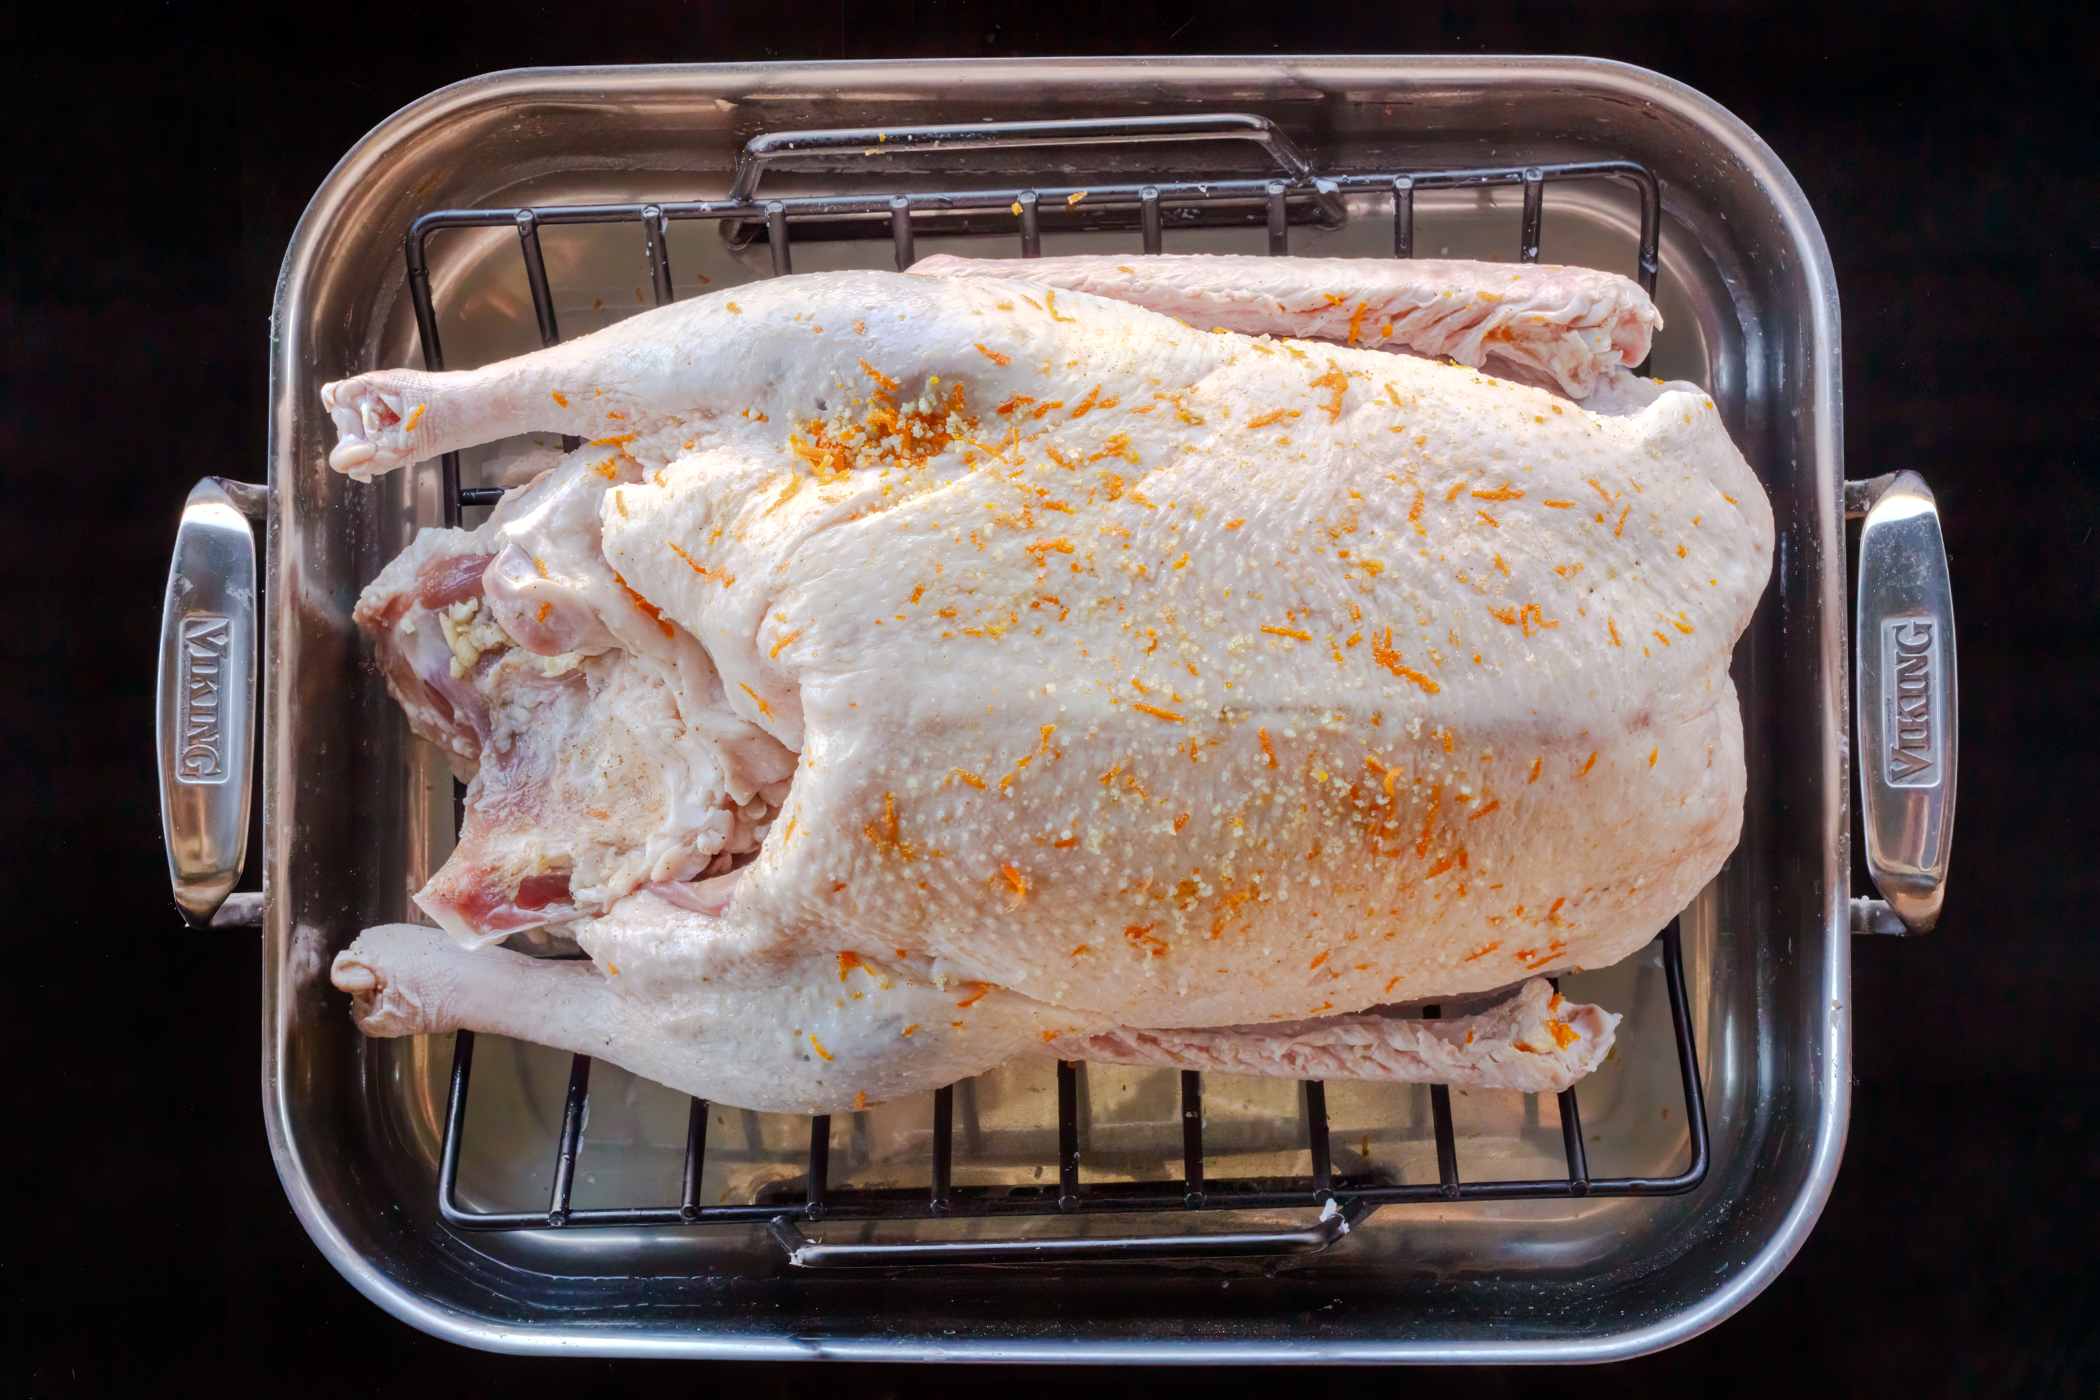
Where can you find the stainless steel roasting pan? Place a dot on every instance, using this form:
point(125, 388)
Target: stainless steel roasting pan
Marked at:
point(357, 812)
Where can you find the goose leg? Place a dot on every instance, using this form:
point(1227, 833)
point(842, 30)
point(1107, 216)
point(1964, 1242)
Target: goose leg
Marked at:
point(405, 979)
point(1535, 1041)
point(815, 1033)
point(394, 417)
point(1562, 328)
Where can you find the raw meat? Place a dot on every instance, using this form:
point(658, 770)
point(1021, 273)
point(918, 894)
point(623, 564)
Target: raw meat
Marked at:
point(602, 751)
point(1142, 685)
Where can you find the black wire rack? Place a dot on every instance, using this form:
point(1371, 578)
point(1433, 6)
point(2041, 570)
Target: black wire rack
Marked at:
point(1294, 193)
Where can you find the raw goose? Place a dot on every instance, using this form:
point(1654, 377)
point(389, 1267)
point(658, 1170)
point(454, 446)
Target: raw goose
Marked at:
point(1144, 687)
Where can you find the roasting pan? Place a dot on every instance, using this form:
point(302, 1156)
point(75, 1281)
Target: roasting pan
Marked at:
point(622, 187)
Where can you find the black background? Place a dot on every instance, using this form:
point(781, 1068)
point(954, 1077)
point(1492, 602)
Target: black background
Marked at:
point(157, 159)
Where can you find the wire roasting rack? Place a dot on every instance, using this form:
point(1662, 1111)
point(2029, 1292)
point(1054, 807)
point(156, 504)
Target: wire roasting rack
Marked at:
point(1294, 193)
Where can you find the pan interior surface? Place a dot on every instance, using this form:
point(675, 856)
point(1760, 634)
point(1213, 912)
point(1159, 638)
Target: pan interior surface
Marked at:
point(358, 812)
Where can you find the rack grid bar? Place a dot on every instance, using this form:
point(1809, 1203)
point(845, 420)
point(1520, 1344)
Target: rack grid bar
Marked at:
point(1316, 1139)
point(695, 1158)
point(575, 1108)
point(900, 232)
point(1534, 207)
point(1192, 1138)
point(943, 1147)
point(1148, 215)
point(1067, 1136)
point(777, 236)
point(542, 294)
point(1403, 216)
point(658, 253)
point(536, 277)
point(1440, 1127)
point(1571, 1144)
point(1031, 225)
point(819, 1165)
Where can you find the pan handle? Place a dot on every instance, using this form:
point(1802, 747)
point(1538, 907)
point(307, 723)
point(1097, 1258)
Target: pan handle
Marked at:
point(1905, 701)
point(803, 1252)
point(205, 702)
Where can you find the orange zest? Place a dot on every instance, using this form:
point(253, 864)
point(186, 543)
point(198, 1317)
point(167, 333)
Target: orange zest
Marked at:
point(1338, 382)
point(884, 834)
point(644, 606)
point(721, 576)
point(1141, 934)
point(1382, 652)
point(1436, 795)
